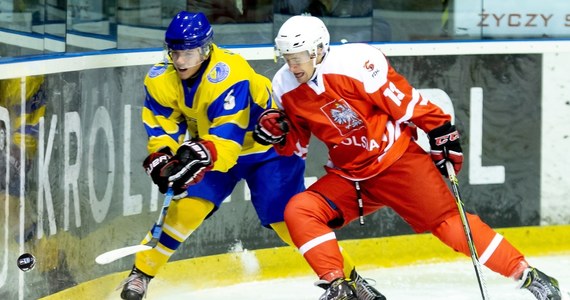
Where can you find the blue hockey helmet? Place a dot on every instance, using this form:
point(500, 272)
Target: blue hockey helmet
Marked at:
point(189, 30)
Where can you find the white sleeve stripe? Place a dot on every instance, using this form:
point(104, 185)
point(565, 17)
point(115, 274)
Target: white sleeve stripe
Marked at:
point(491, 249)
point(316, 241)
point(410, 107)
point(424, 101)
point(390, 135)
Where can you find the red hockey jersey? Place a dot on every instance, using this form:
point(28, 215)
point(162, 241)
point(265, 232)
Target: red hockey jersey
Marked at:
point(358, 106)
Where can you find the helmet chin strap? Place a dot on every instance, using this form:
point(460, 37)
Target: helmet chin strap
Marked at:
point(316, 66)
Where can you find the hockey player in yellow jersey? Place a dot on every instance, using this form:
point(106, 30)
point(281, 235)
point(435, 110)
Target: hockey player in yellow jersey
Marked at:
point(24, 101)
point(22, 128)
point(214, 97)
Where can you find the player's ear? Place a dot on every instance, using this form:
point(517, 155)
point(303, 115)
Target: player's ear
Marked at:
point(319, 54)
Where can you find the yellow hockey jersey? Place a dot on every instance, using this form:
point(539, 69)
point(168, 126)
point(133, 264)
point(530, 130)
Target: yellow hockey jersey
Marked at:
point(28, 117)
point(221, 103)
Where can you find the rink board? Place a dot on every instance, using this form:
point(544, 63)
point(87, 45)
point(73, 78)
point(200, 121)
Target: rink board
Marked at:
point(100, 199)
point(284, 262)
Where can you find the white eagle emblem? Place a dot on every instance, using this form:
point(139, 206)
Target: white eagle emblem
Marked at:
point(342, 116)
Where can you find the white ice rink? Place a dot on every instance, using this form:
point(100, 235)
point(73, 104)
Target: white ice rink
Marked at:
point(450, 281)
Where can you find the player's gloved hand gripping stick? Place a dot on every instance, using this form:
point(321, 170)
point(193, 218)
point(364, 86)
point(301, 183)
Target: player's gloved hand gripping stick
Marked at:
point(172, 174)
point(156, 230)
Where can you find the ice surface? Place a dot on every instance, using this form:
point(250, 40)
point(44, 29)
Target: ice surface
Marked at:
point(450, 281)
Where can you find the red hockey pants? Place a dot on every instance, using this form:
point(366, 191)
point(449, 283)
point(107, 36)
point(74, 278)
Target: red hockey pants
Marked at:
point(414, 189)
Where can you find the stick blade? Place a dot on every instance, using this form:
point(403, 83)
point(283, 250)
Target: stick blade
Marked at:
point(113, 255)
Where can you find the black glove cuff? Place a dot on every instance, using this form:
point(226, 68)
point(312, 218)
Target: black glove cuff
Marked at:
point(258, 139)
point(165, 150)
point(441, 130)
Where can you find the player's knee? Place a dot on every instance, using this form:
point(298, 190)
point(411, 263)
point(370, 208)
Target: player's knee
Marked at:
point(447, 229)
point(191, 212)
point(303, 203)
point(452, 233)
point(297, 206)
point(307, 206)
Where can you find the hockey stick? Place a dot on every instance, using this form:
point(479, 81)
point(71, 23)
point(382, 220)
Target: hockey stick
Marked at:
point(474, 256)
point(156, 230)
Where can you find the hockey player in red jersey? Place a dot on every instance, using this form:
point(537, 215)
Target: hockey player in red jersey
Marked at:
point(352, 100)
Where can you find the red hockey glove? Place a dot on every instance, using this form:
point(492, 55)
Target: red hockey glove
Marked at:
point(271, 128)
point(191, 162)
point(445, 146)
point(154, 165)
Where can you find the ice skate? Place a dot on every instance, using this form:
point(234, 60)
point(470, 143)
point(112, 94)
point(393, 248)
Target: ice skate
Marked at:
point(135, 286)
point(340, 289)
point(365, 291)
point(542, 286)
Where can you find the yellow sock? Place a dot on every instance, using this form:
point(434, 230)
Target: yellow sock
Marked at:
point(183, 217)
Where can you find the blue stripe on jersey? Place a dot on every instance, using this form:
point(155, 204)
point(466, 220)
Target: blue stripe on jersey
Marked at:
point(158, 131)
point(229, 131)
point(234, 99)
point(155, 107)
point(154, 131)
point(33, 104)
point(28, 129)
point(169, 241)
point(256, 110)
point(37, 101)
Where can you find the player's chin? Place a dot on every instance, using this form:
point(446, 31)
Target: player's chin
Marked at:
point(301, 78)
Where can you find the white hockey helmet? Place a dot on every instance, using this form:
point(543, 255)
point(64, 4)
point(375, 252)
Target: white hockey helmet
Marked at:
point(302, 33)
